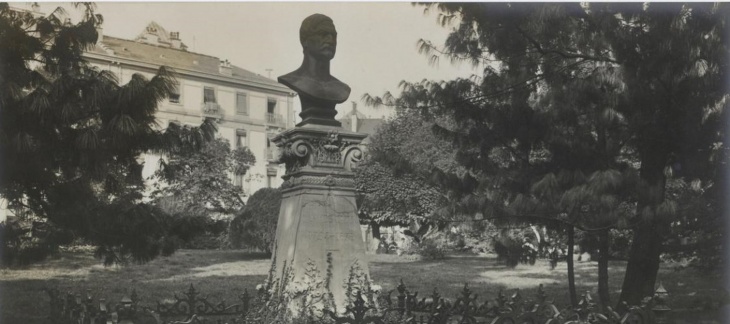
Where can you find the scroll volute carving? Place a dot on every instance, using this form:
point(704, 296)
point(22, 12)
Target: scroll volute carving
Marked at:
point(294, 154)
point(352, 155)
point(331, 151)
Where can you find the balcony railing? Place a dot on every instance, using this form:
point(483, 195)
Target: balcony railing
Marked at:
point(274, 119)
point(211, 109)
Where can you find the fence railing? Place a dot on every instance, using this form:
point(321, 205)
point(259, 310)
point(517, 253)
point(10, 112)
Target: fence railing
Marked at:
point(210, 108)
point(275, 119)
point(399, 306)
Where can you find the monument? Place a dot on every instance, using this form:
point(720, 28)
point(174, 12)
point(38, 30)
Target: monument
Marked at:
point(318, 90)
point(319, 257)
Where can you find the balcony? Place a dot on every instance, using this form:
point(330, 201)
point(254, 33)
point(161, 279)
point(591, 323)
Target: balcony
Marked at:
point(275, 120)
point(212, 110)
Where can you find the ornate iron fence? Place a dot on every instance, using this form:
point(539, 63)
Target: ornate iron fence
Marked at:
point(399, 306)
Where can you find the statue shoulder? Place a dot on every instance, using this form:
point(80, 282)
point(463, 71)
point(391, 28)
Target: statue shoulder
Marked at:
point(331, 90)
point(339, 89)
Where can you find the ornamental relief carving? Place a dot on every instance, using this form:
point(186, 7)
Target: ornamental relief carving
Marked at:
point(328, 150)
point(294, 154)
point(328, 180)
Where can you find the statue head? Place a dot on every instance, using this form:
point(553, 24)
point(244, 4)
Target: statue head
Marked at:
point(318, 90)
point(318, 37)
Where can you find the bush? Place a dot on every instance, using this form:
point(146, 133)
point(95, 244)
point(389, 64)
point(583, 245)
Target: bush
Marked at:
point(213, 237)
point(509, 246)
point(430, 249)
point(193, 227)
point(475, 237)
point(255, 225)
point(508, 250)
point(27, 241)
point(621, 243)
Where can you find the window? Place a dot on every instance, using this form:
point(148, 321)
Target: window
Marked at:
point(271, 116)
point(208, 95)
point(241, 139)
point(272, 106)
point(238, 180)
point(270, 151)
point(271, 176)
point(241, 104)
point(174, 96)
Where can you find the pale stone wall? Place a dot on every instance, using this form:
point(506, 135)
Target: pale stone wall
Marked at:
point(188, 112)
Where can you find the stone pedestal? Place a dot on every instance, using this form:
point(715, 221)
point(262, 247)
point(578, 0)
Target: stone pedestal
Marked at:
point(319, 250)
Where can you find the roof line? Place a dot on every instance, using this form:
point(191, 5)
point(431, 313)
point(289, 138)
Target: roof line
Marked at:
point(165, 47)
point(270, 86)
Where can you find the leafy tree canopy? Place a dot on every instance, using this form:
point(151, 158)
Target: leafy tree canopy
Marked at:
point(70, 134)
point(199, 177)
point(405, 160)
point(390, 199)
point(591, 89)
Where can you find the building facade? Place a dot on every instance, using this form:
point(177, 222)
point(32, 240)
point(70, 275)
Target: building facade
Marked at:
point(249, 108)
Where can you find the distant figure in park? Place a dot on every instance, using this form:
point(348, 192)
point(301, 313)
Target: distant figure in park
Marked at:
point(319, 91)
point(554, 257)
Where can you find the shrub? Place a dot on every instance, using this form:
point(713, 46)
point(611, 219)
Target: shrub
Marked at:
point(431, 249)
point(187, 227)
point(211, 239)
point(509, 247)
point(193, 227)
point(255, 225)
point(476, 237)
point(25, 241)
point(621, 243)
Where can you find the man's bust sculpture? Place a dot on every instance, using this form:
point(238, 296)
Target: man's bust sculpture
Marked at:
point(318, 91)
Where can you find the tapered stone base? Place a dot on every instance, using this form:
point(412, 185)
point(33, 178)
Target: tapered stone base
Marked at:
point(319, 245)
point(316, 225)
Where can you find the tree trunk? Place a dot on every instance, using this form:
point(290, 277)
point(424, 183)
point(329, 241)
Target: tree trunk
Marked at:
point(641, 271)
point(604, 294)
point(571, 272)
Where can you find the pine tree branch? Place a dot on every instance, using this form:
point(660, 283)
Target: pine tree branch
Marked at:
point(476, 99)
point(461, 56)
point(566, 55)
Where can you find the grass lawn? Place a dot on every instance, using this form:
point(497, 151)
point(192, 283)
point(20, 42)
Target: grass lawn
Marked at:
point(223, 275)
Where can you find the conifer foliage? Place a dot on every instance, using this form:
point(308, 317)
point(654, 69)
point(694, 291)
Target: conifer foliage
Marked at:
point(71, 135)
point(583, 111)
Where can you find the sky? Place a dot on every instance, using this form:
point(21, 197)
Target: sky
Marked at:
point(376, 45)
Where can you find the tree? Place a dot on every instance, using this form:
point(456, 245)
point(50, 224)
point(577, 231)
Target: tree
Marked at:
point(387, 199)
point(658, 72)
point(697, 234)
point(393, 184)
point(70, 135)
point(255, 225)
point(198, 177)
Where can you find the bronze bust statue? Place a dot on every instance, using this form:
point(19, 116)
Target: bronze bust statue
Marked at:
point(318, 90)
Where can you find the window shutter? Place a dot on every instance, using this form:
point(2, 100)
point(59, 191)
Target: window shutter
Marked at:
point(241, 104)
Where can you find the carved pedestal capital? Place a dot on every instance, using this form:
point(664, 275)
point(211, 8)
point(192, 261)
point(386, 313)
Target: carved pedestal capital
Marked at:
point(326, 150)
